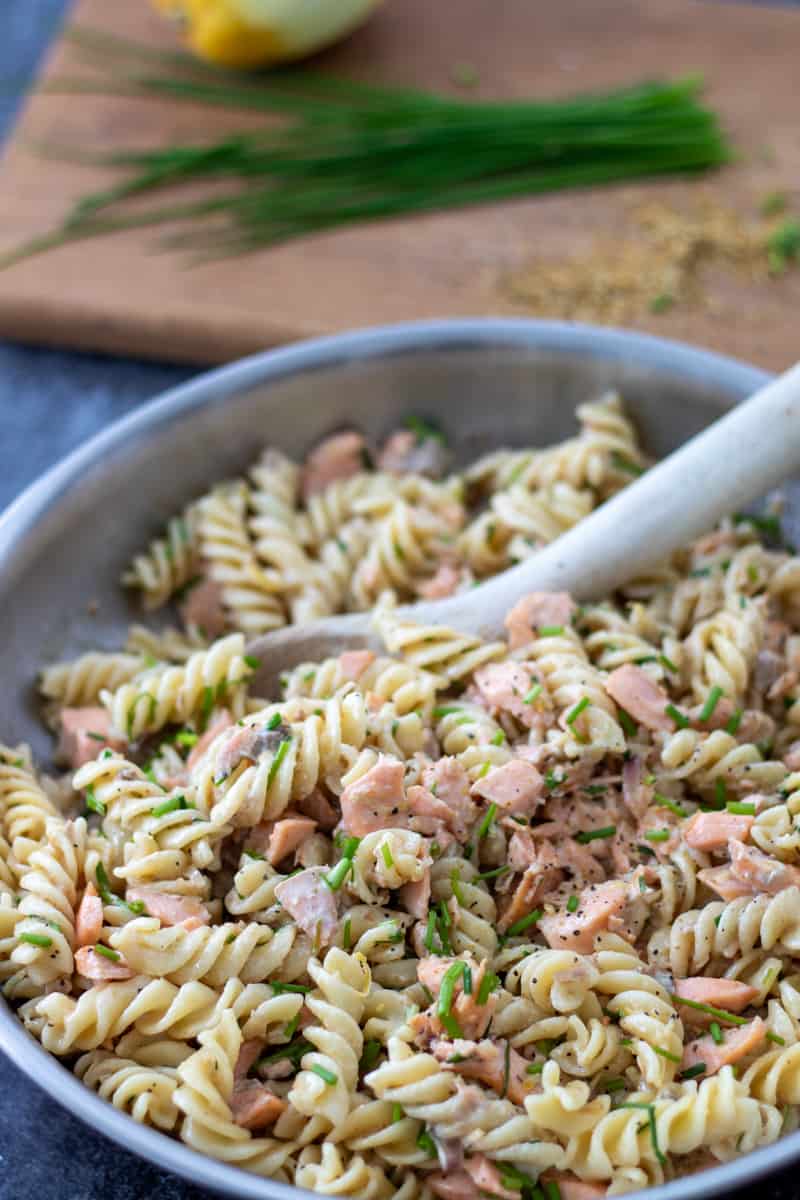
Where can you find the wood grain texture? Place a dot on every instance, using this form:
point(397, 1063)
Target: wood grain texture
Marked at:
point(123, 295)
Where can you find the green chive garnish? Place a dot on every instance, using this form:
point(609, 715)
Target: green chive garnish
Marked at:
point(592, 835)
point(657, 835)
point(455, 884)
point(533, 694)
point(336, 877)
point(426, 1143)
point(280, 754)
point(173, 804)
point(397, 1113)
point(712, 699)
point(694, 1071)
point(185, 737)
point(721, 1014)
point(665, 802)
point(489, 983)
point(369, 1055)
point(522, 924)
point(741, 808)
point(680, 719)
point(346, 933)
point(93, 804)
point(274, 721)
point(720, 793)
point(582, 704)
point(614, 1085)
point(716, 1033)
point(624, 464)
point(386, 854)
point(106, 952)
point(486, 823)
point(498, 738)
point(324, 1074)
point(252, 662)
point(627, 722)
point(668, 663)
point(651, 1120)
point(732, 726)
point(667, 1054)
point(36, 939)
point(495, 874)
point(551, 631)
point(572, 904)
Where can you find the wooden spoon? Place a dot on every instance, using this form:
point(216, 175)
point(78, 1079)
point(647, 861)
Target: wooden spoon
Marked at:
point(733, 462)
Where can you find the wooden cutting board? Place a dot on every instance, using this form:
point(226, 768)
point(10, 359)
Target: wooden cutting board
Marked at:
point(123, 295)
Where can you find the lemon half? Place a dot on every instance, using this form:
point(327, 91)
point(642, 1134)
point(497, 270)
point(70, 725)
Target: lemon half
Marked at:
point(249, 33)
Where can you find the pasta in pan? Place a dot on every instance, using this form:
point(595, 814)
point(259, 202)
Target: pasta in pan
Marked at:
point(460, 919)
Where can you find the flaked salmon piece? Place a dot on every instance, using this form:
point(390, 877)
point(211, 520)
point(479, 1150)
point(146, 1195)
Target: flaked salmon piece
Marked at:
point(723, 881)
point(444, 583)
point(736, 1044)
point(532, 887)
point(729, 994)
point(455, 1185)
point(96, 966)
point(495, 1064)
point(335, 458)
point(223, 720)
point(246, 743)
point(254, 1106)
point(597, 904)
point(449, 782)
point(85, 733)
point(632, 689)
point(249, 1052)
point(318, 807)
point(89, 918)
point(422, 803)
point(572, 1188)
point(486, 1177)
point(637, 796)
point(307, 897)
point(760, 872)
point(415, 896)
point(713, 830)
point(537, 610)
point(169, 909)
point(405, 452)
point(377, 800)
point(516, 787)
point(522, 849)
point(203, 608)
point(278, 839)
point(503, 688)
point(578, 859)
point(353, 663)
point(473, 1018)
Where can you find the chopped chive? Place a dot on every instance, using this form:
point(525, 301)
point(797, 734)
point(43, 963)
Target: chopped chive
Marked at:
point(429, 931)
point(627, 722)
point(336, 877)
point(206, 706)
point(550, 780)
point(486, 823)
point(665, 802)
point(651, 1120)
point(494, 874)
point(712, 699)
point(427, 993)
point(446, 710)
point(426, 1143)
point(173, 804)
point(185, 737)
point(370, 1054)
point(716, 1033)
point(592, 835)
point(657, 835)
point(533, 694)
point(734, 723)
point(506, 1069)
point(720, 793)
point(595, 789)
point(572, 903)
point(489, 983)
point(534, 1068)
point(625, 464)
point(522, 924)
point(280, 988)
point(467, 980)
point(773, 1037)
point(346, 934)
point(455, 884)
point(667, 1054)
point(36, 939)
point(397, 1113)
point(254, 854)
point(274, 721)
point(252, 662)
point(680, 719)
point(693, 1071)
point(294, 1053)
point(551, 1190)
point(96, 737)
point(327, 1076)
point(485, 769)
point(614, 1085)
point(551, 630)
point(721, 1014)
point(668, 663)
point(582, 704)
point(498, 738)
point(451, 977)
point(280, 754)
point(93, 804)
point(386, 854)
point(291, 1027)
point(106, 952)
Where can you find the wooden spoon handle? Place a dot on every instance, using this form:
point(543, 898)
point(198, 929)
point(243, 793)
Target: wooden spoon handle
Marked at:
point(733, 462)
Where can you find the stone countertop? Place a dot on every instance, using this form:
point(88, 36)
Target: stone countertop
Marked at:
point(50, 403)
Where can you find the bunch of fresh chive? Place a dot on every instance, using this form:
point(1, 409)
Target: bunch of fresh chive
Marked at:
point(334, 152)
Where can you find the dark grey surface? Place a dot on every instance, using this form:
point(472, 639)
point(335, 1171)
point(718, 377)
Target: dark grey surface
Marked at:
point(49, 404)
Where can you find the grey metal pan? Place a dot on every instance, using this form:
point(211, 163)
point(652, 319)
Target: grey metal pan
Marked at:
point(64, 542)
